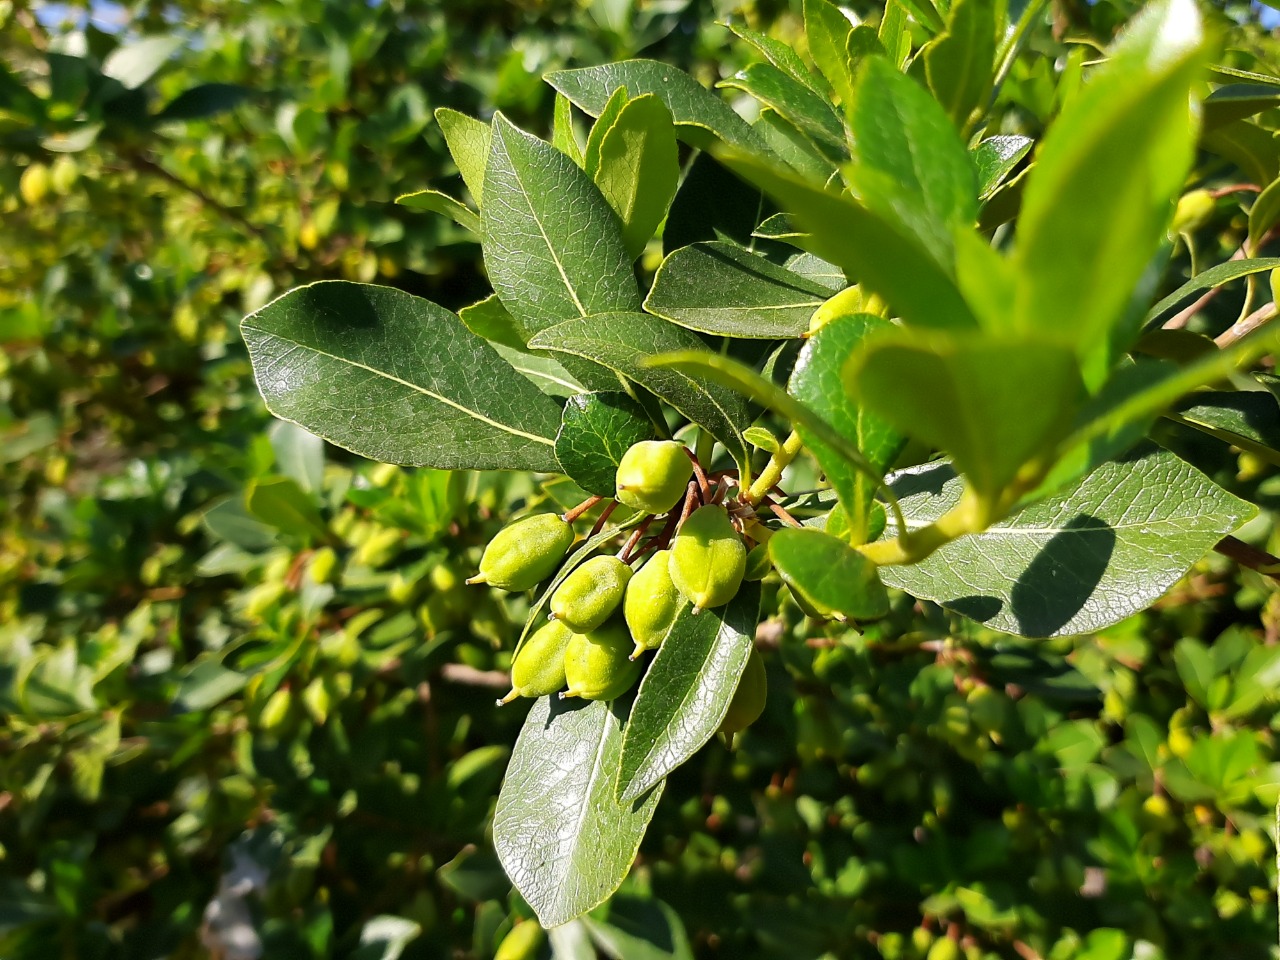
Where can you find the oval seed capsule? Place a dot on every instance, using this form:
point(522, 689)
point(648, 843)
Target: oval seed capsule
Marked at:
point(708, 558)
point(652, 603)
point(597, 665)
point(589, 595)
point(538, 669)
point(525, 553)
point(652, 475)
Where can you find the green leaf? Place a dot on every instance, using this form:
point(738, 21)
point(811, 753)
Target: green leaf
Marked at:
point(563, 136)
point(1214, 276)
point(720, 288)
point(396, 378)
point(781, 55)
point(385, 937)
point(613, 106)
point(685, 693)
point(623, 341)
point(133, 64)
point(878, 253)
point(203, 101)
point(818, 270)
point(433, 201)
point(488, 318)
point(281, 503)
point(960, 64)
point(1123, 145)
point(561, 834)
point(637, 168)
point(206, 684)
point(543, 371)
point(638, 930)
point(809, 111)
point(817, 382)
point(1236, 101)
point(468, 142)
point(995, 158)
point(1264, 214)
point(596, 429)
point(909, 164)
point(552, 246)
point(968, 396)
point(828, 31)
point(830, 575)
point(697, 112)
point(713, 204)
point(894, 33)
point(795, 148)
point(1248, 420)
point(1078, 562)
point(1254, 150)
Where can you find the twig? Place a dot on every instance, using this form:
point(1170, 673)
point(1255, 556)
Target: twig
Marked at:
point(624, 553)
point(1250, 556)
point(580, 509)
point(690, 498)
point(466, 676)
point(218, 206)
point(1235, 188)
point(1183, 316)
point(604, 516)
point(698, 472)
point(780, 512)
point(1246, 325)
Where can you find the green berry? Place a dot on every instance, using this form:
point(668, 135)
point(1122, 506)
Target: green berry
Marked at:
point(748, 700)
point(652, 603)
point(1194, 210)
point(597, 665)
point(652, 475)
point(708, 558)
point(538, 669)
point(944, 948)
point(525, 553)
point(588, 596)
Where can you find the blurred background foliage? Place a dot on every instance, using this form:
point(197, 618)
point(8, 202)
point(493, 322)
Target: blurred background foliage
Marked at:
point(246, 705)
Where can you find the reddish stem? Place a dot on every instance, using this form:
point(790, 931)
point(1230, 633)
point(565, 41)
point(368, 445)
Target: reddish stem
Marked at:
point(625, 553)
point(698, 472)
point(613, 505)
point(780, 512)
point(580, 509)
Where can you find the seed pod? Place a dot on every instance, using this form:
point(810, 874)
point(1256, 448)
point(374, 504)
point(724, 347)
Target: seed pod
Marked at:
point(748, 700)
point(525, 553)
point(708, 558)
point(1194, 210)
point(652, 603)
point(538, 669)
point(847, 301)
point(323, 563)
point(652, 475)
point(521, 943)
point(589, 595)
point(597, 665)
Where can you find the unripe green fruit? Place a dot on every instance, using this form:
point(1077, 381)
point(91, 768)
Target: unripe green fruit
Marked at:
point(652, 603)
point(944, 948)
point(652, 475)
point(708, 558)
point(748, 700)
point(847, 301)
point(597, 665)
point(323, 563)
point(538, 669)
point(521, 943)
point(525, 553)
point(589, 595)
point(1194, 210)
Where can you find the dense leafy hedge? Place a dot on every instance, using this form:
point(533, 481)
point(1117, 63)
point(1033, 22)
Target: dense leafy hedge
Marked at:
point(238, 668)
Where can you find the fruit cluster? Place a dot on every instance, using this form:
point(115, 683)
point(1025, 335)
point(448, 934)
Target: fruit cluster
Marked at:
point(604, 614)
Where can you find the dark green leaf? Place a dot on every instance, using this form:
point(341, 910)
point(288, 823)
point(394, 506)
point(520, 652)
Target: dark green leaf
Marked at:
point(612, 107)
point(596, 429)
point(1078, 562)
point(818, 383)
point(697, 112)
point(552, 246)
point(206, 685)
point(909, 164)
point(799, 151)
point(686, 691)
point(1248, 420)
point(563, 837)
point(809, 111)
point(639, 930)
point(830, 575)
point(1264, 214)
point(1214, 276)
point(203, 101)
point(281, 503)
point(1236, 101)
point(623, 341)
point(781, 55)
point(960, 64)
point(1254, 150)
point(720, 288)
point(995, 158)
point(396, 378)
point(713, 204)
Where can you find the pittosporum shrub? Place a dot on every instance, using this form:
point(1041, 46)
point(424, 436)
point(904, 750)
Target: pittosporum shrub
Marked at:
point(890, 345)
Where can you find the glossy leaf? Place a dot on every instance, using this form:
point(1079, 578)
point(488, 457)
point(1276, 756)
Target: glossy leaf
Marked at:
point(697, 112)
point(396, 378)
point(809, 111)
point(685, 693)
point(468, 142)
point(827, 30)
point(957, 393)
point(1078, 562)
point(1249, 420)
point(1264, 214)
point(623, 341)
point(960, 64)
point(828, 574)
point(720, 288)
point(553, 248)
point(433, 201)
point(817, 382)
point(1214, 276)
point(1077, 272)
point(637, 168)
point(794, 147)
point(879, 254)
point(995, 158)
point(639, 930)
point(781, 55)
point(909, 164)
point(1236, 101)
point(563, 838)
point(596, 429)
